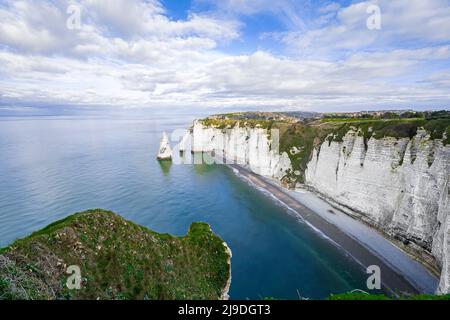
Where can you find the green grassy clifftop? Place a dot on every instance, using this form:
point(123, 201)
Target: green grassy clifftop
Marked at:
point(117, 259)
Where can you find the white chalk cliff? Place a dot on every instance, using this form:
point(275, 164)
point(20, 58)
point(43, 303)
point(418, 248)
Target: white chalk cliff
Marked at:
point(165, 151)
point(400, 186)
point(250, 147)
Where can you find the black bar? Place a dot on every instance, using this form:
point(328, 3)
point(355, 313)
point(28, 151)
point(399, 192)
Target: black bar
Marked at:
point(262, 309)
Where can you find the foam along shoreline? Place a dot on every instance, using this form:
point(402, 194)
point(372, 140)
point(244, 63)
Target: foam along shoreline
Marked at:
point(399, 272)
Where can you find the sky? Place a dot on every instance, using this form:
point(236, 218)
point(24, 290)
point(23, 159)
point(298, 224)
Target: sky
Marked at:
point(316, 55)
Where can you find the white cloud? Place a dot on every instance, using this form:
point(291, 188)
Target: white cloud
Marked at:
point(130, 54)
point(40, 27)
point(260, 78)
point(331, 7)
point(404, 23)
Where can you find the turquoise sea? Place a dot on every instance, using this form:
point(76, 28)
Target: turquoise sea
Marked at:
point(53, 167)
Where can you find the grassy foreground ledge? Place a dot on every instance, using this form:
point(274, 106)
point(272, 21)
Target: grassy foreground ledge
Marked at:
point(118, 260)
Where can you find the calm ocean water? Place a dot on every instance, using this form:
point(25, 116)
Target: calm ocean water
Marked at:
point(50, 168)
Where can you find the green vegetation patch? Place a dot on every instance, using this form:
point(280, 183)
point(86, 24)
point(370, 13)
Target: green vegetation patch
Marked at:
point(118, 260)
point(298, 141)
point(220, 123)
point(380, 128)
point(437, 128)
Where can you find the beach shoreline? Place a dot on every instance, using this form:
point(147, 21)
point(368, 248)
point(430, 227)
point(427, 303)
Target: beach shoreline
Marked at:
point(366, 245)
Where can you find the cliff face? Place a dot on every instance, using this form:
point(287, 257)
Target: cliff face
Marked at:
point(250, 147)
point(399, 185)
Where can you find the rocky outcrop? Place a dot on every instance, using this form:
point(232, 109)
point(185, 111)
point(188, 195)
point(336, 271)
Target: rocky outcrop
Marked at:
point(165, 151)
point(185, 142)
point(398, 185)
point(226, 290)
